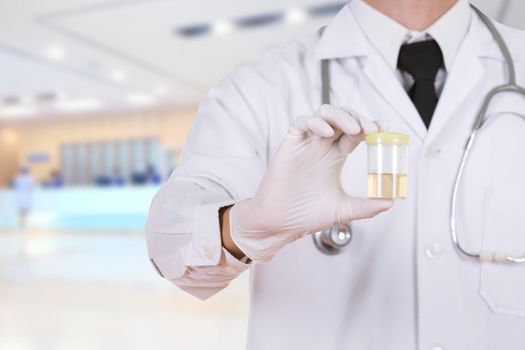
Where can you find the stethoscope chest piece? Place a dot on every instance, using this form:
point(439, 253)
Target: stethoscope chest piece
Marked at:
point(333, 240)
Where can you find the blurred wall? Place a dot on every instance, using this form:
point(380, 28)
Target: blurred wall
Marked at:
point(9, 153)
point(45, 135)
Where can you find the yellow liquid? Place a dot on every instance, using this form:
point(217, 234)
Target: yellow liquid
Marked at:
point(387, 185)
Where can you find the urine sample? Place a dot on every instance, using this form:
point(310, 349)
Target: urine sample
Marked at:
point(387, 165)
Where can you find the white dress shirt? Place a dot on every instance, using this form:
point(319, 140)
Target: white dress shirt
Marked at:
point(387, 36)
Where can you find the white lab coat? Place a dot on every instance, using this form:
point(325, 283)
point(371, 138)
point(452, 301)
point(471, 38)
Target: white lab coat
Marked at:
point(400, 284)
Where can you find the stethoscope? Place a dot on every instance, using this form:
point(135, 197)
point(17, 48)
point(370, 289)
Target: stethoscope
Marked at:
point(333, 240)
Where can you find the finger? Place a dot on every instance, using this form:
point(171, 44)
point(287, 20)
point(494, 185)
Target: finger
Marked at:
point(347, 143)
point(315, 125)
point(356, 208)
point(368, 126)
point(339, 119)
point(382, 125)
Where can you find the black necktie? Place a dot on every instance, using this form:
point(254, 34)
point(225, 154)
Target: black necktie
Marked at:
point(422, 61)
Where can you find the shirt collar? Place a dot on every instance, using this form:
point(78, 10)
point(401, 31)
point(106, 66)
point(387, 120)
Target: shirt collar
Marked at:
point(335, 41)
point(387, 35)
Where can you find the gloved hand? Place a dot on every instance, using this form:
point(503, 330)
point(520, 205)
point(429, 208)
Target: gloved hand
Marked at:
point(300, 192)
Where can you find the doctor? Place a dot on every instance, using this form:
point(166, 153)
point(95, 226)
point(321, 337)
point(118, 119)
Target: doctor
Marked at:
point(266, 164)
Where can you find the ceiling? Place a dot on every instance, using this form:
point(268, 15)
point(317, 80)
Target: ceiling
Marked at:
point(69, 56)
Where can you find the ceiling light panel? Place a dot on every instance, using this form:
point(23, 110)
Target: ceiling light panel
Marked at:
point(195, 64)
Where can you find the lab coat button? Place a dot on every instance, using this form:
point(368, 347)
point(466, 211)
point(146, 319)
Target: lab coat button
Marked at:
point(433, 250)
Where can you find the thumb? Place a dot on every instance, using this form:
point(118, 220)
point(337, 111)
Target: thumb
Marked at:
point(362, 208)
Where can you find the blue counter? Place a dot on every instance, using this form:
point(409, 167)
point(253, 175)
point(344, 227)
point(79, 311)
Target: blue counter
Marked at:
point(82, 208)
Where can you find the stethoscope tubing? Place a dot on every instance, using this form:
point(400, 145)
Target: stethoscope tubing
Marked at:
point(511, 86)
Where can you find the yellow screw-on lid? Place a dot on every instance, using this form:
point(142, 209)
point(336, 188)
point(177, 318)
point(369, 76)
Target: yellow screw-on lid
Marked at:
point(387, 138)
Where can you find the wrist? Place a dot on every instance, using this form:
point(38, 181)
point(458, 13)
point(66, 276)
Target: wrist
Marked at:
point(226, 235)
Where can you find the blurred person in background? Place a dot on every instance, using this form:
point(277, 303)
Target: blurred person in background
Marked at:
point(23, 187)
point(265, 166)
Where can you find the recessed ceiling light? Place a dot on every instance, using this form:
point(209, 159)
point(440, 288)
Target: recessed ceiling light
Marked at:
point(193, 31)
point(258, 21)
point(55, 53)
point(79, 105)
point(117, 75)
point(12, 100)
point(45, 97)
point(222, 27)
point(326, 9)
point(139, 99)
point(296, 16)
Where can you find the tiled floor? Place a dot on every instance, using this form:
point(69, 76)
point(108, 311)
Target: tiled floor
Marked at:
point(97, 290)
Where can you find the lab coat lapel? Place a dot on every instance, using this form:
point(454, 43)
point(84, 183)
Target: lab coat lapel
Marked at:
point(464, 76)
point(343, 38)
point(386, 84)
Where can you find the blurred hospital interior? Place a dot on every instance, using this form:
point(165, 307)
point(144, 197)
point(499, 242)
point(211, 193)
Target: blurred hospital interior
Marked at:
point(97, 98)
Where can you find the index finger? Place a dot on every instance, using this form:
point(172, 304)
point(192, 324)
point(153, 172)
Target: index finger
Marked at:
point(339, 119)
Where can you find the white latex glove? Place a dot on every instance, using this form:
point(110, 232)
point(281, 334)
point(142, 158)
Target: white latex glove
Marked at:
point(300, 192)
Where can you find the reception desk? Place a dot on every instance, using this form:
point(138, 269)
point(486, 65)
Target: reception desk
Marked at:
point(82, 208)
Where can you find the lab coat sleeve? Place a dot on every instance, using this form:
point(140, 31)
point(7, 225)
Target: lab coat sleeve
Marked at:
point(223, 162)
